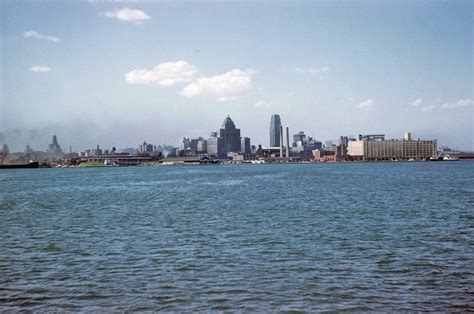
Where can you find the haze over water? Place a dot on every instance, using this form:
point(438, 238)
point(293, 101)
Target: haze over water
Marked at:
point(384, 236)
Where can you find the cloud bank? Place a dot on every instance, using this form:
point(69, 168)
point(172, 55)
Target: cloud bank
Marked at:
point(223, 87)
point(164, 74)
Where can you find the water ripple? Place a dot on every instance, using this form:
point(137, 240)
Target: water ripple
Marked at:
point(290, 238)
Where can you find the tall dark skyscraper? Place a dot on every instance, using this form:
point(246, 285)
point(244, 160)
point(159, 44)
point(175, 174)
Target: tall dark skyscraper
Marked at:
point(231, 136)
point(54, 147)
point(275, 126)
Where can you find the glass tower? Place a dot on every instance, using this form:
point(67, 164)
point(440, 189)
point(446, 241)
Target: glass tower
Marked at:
point(275, 125)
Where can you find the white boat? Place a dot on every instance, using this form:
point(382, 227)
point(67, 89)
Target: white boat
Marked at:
point(450, 158)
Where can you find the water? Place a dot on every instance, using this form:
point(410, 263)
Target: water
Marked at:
point(385, 236)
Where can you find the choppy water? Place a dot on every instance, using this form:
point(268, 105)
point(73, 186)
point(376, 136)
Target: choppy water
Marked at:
point(387, 236)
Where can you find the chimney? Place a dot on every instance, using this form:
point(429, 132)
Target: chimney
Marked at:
point(287, 142)
point(281, 141)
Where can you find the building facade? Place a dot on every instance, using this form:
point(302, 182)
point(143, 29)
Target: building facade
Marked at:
point(215, 146)
point(202, 146)
point(54, 148)
point(377, 148)
point(275, 130)
point(245, 145)
point(230, 136)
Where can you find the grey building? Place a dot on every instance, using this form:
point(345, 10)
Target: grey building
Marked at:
point(193, 143)
point(215, 146)
point(275, 130)
point(54, 147)
point(245, 145)
point(303, 145)
point(230, 135)
point(144, 148)
point(202, 146)
point(299, 137)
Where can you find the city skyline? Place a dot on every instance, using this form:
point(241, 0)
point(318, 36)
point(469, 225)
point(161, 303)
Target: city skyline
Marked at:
point(329, 69)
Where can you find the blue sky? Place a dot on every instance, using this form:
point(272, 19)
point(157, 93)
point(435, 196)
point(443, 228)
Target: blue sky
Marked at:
point(116, 73)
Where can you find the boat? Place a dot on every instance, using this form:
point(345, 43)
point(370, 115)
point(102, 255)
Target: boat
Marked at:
point(450, 158)
point(21, 166)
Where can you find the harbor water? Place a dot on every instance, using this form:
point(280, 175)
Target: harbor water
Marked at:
point(303, 237)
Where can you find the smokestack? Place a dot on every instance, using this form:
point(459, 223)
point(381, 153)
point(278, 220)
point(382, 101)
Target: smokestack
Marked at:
point(281, 141)
point(287, 142)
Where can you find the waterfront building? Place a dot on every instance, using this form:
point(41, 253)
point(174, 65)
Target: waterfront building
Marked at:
point(275, 130)
point(321, 155)
point(245, 145)
point(375, 147)
point(230, 136)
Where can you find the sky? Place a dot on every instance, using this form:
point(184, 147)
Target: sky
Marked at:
point(116, 73)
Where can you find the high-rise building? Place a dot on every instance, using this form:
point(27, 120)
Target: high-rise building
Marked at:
point(215, 146)
point(230, 135)
point(245, 145)
point(54, 147)
point(275, 129)
point(202, 146)
point(298, 139)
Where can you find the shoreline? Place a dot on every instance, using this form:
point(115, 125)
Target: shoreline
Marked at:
point(226, 163)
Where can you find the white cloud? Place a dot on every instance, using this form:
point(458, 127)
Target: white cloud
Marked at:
point(366, 104)
point(164, 74)
point(420, 103)
point(128, 15)
point(458, 104)
point(428, 108)
point(313, 70)
point(224, 85)
point(39, 68)
point(417, 102)
point(263, 104)
point(36, 35)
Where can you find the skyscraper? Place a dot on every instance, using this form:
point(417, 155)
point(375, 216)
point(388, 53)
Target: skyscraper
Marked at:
point(215, 145)
point(245, 145)
point(275, 126)
point(231, 136)
point(54, 147)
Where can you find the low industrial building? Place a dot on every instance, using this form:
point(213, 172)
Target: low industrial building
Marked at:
point(375, 147)
point(325, 155)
